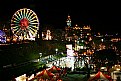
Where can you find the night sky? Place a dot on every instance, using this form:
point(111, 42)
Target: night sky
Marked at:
point(101, 16)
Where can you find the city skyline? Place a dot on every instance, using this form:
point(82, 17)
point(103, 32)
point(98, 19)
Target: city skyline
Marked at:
point(101, 16)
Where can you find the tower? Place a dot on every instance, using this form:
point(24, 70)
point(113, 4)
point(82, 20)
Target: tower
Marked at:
point(48, 35)
point(68, 21)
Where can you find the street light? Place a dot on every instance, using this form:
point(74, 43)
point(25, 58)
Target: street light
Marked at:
point(56, 50)
point(40, 55)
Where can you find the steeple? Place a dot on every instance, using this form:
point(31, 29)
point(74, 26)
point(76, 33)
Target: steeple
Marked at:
point(68, 21)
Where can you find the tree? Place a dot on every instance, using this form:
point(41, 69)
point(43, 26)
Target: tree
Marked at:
point(106, 56)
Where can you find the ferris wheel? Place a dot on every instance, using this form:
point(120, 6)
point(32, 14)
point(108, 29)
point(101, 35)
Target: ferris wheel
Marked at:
point(25, 24)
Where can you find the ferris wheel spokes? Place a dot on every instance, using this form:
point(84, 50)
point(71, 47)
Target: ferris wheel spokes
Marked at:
point(25, 24)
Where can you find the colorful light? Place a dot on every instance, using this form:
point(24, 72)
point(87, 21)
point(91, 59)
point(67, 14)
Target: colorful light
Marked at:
point(25, 23)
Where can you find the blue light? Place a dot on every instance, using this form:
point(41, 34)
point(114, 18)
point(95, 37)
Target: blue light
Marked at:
point(2, 37)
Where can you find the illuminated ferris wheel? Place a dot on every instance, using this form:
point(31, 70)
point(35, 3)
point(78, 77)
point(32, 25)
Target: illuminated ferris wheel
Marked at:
point(25, 24)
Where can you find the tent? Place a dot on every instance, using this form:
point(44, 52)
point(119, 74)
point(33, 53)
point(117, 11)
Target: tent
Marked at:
point(45, 74)
point(100, 75)
point(54, 69)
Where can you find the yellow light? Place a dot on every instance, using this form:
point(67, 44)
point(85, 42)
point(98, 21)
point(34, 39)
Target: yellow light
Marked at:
point(118, 69)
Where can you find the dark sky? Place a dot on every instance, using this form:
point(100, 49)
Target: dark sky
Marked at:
point(100, 15)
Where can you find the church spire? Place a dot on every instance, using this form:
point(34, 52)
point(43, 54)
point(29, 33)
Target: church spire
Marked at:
point(68, 21)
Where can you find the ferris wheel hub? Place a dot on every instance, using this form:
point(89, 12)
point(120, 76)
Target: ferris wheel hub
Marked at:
point(24, 23)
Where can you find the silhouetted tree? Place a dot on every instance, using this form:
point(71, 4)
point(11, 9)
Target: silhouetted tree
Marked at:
point(105, 57)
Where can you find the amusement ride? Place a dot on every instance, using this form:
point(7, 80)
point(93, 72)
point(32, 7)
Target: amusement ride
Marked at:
point(24, 25)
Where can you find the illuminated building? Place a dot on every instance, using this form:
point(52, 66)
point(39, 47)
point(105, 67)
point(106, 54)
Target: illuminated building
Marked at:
point(86, 33)
point(77, 32)
point(79, 35)
point(68, 29)
point(48, 35)
point(68, 21)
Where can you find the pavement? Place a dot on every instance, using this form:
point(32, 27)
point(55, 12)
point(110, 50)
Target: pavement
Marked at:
point(75, 77)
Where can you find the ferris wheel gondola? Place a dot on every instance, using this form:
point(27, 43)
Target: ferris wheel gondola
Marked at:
point(25, 24)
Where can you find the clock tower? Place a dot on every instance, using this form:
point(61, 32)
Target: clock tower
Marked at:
point(68, 21)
